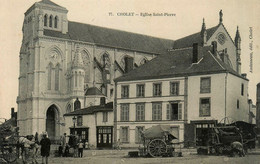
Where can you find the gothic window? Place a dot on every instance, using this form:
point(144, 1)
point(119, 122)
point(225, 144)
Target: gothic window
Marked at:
point(50, 21)
point(86, 62)
point(45, 20)
point(49, 75)
point(68, 109)
point(57, 77)
point(56, 22)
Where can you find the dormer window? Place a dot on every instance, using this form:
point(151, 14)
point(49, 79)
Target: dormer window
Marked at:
point(45, 20)
point(56, 22)
point(50, 21)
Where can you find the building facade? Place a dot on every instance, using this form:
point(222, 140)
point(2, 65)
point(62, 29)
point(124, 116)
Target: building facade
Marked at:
point(93, 124)
point(196, 85)
point(60, 60)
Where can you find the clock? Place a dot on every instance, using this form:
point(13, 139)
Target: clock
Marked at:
point(221, 38)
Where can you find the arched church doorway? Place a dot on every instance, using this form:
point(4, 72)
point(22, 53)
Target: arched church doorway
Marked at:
point(52, 127)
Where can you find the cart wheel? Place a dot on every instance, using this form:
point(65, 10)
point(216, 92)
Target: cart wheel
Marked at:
point(9, 154)
point(157, 148)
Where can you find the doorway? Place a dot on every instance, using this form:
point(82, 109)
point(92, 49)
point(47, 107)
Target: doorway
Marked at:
point(51, 118)
point(104, 136)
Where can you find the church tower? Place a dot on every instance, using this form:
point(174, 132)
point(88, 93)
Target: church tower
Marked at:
point(238, 50)
point(41, 70)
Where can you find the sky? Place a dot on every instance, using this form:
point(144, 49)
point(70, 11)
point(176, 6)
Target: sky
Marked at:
point(187, 20)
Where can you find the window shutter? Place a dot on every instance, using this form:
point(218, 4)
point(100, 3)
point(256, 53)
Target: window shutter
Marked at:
point(120, 134)
point(168, 112)
point(179, 111)
point(136, 134)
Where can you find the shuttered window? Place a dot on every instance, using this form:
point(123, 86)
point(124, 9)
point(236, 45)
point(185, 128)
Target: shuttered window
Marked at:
point(157, 111)
point(204, 107)
point(205, 84)
point(179, 111)
point(140, 112)
point(124, 112)
point(138, 134)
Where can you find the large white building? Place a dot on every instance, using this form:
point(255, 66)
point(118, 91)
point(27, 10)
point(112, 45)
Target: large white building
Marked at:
point(192, 87)
point(61, 59)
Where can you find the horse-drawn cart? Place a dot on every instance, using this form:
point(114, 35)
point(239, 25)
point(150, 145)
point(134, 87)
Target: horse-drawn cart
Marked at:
point(157, 141)
point(8, 143)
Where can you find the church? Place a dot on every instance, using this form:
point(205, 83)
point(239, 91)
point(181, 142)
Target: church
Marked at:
point(62, 62)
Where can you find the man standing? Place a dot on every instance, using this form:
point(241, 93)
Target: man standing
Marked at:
point(45, 148)
point(64, 142)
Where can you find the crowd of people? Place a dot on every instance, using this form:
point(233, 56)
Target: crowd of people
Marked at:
point(71, 141)
point(31, 144)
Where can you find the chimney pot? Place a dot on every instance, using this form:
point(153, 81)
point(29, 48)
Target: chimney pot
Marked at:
point(102, 101)
point(195, 52)
point(214, 47)
point(129, 64)
point(12, 112)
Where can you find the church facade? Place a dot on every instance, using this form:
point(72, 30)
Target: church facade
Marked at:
point(60, 60)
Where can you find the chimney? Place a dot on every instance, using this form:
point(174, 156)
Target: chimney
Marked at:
point(214, 47)
point(129, 64)
point(195, 53)
point(102, 101)
point(12, 112)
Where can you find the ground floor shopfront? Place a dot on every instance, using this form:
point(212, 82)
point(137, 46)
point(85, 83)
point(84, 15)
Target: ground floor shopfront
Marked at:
point(197, 131)
point(102, 139)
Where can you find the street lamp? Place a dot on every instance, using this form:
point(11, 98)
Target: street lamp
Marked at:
point(74, 121)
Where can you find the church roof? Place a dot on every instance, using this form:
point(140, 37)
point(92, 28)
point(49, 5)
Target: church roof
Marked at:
point(113, 38)
point(194, 38)
point(91, 110)
point(93, 91)
point(178, 63)
point(45, 3)
point(48, 2)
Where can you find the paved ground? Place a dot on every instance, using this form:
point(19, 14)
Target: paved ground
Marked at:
point(120, 157)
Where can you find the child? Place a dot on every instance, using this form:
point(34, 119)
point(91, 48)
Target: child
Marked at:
point(60, 150)
point(80, 148)
point(67, 151)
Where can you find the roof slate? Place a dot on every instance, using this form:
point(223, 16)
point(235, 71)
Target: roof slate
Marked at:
point(113, 38)
point(93, 91)
point(194, 38)
point(48, 2)
point(91, 110)
point(178, 63)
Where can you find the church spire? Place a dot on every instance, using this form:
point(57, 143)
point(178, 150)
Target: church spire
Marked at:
point(220, 17)
point(238, 50)
point(203, 33)
point(237, 38)
point(77, 61)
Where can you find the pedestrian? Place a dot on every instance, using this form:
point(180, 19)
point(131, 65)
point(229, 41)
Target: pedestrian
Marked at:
point(80, 148)
point(45, 148)
point(67, 151)
point(237, 147)
point(60, 151)
point(118, 147)
point(75, 146)
point(64, 142)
